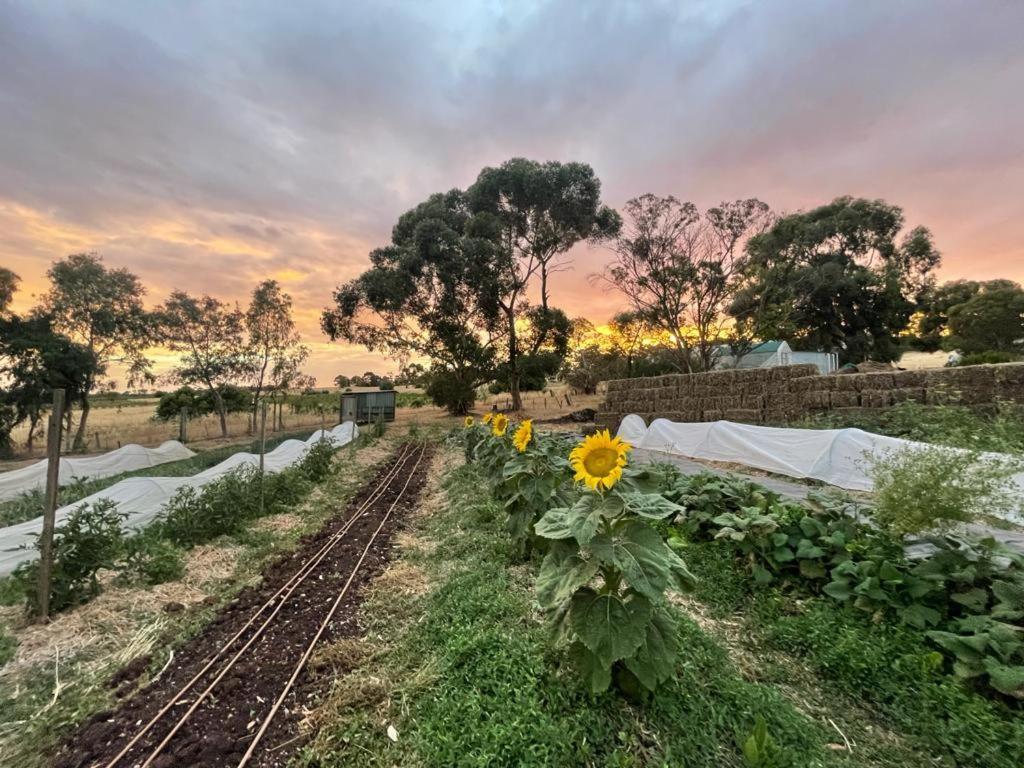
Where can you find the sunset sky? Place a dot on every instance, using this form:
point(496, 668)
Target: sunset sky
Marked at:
point(209, 145)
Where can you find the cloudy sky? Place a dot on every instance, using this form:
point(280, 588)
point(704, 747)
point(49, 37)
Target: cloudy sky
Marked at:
point(208, 145)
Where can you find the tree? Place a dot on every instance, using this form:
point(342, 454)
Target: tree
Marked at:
point(411, 375)
point(35, 361)
point(341, 381)
point(680, 269)
point(8, 287)
point(932, 322)
point(835, 278)
point(275, 354)
point(535, 213)
point(431, 294)
point(209, 336)
point(991, 321)
point(101, 309)
point(630, 332)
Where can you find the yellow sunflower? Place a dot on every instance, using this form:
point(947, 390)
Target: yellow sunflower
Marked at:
point(487, 417)
point(523, 435)
point(599, 460)
point(499, 424)
point(469, 422)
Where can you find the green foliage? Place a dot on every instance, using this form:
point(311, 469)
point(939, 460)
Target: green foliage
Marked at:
point(89, 539)
point(8, 647)
point(201, 403)
point(936, 488)
point(894, 668)
point(480, 685)
point(621, 628)
point(827, 550)
point(991, 321)
point(836, 277)
point(531, 482)
point(1000, 429)
point(451, 391)
point(149, 559)
point(761, 751)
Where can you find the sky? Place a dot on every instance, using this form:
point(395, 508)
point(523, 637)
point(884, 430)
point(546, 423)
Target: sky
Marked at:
point(209, 145)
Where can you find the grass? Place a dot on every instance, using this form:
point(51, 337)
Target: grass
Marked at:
point(33, 719)
point(462, 666)
point(888, 667)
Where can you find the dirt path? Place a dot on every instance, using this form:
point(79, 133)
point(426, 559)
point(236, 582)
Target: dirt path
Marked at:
point(245, 660)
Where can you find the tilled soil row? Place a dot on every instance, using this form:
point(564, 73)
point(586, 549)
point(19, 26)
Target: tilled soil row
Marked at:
point(223, 726)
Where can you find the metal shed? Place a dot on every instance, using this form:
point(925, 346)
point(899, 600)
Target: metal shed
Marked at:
point(367, 407)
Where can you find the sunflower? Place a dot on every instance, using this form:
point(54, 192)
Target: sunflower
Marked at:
point(487, 417)
point(599, 460)
point(499, 424)
point(469, 422)
point(523, 435)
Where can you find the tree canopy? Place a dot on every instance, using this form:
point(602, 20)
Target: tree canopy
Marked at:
point(837, 278)
point(100, 308)
point(680, 268)
point(208, 335)
point(990, 321)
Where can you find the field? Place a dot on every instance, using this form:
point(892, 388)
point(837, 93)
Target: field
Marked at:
point(411, 630)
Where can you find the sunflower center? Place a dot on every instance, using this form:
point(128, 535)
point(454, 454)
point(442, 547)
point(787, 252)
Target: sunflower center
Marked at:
point(600, 461)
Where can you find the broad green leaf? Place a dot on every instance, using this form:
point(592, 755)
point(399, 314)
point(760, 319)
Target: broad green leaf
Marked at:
point(806, 550)
point(554, 524)
point(1005, 678)
point(810, 569)
point(762, 575)
point(610, 626)
point(562, 573)
point(684, 580)
point(655, 660)
point(597, 675)
point(920, 616)
point(973, 599)
point(641, 554)
point(839, 590)
point(650, 505)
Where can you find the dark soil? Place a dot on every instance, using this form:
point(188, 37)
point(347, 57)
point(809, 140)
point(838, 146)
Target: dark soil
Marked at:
point(221, 729)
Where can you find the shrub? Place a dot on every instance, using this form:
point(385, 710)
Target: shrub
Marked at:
point(451, 392)
point(89, 539)
point(937, 488)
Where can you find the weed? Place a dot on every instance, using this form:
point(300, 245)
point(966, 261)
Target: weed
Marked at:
point(936, 489)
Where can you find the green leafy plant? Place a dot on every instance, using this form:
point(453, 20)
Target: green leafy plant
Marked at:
point(603, 583)
point(990, 646)
point(760, 750)
point(936, 489)
point(148, 559)
point(89, 540)
point(531, 481)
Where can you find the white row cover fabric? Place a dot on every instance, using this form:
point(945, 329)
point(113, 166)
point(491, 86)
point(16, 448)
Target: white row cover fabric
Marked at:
point(143, 498)
point(127, 458)
point(840, 457)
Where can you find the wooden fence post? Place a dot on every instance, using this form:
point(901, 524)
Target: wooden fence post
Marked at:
point(263, 447)
point(52, 484)
point(183, 425)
